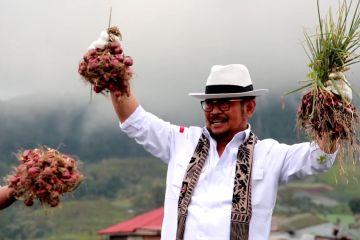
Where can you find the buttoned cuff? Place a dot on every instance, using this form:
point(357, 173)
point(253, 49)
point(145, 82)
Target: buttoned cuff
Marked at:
point(322, 157)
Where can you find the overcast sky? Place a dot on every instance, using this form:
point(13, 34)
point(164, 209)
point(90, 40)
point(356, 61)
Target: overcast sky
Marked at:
point(173, 43)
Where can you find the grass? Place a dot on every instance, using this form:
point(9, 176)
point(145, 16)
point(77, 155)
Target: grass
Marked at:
point(91, 216)
point(73, 220)
point(73, 236)
point(345, 220)
point(301, 221)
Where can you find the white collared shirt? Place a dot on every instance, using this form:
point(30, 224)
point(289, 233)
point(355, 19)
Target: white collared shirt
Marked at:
point(209, 211)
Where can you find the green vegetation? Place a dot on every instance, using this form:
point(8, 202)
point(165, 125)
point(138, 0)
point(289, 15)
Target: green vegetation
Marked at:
point(333, 47)
point(301, 221)
point(74, 218)
point(343, 219)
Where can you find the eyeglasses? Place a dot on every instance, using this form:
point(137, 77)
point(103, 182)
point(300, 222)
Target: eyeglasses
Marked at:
point(222, 104)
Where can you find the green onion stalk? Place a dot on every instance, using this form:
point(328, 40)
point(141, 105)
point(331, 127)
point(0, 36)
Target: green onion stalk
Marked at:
point(326, 110)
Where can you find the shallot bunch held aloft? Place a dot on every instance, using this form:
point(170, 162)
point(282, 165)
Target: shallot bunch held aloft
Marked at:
point(323, 112)
point(44, 174)
point(326, 112)
point(105, 66)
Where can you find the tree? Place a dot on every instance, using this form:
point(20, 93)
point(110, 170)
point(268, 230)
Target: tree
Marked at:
point(354, 205)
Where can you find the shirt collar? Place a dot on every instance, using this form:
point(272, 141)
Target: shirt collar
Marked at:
point(240, 137)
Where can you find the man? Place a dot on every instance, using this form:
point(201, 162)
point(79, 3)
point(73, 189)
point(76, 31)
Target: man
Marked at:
point(222, 181)
point(6, 197)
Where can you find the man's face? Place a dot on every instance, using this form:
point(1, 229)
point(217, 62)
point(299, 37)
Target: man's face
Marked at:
point(226, 117)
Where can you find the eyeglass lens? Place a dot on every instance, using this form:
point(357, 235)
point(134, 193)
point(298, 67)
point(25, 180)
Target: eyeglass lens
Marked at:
point(208, 106)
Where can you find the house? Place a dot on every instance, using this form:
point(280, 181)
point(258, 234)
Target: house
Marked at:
point(146, 226)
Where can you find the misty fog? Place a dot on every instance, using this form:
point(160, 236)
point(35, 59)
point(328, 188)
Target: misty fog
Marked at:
point(173, 44)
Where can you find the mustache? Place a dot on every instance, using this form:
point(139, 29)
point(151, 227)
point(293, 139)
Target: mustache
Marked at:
point(218, 117)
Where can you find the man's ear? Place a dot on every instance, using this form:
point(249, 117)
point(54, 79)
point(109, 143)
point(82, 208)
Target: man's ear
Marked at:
point(250, 108)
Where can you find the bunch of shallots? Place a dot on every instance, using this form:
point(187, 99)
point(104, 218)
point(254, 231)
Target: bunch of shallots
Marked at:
point(105, 66)
point(326, 111)
point(322, 112)
point(44, 174)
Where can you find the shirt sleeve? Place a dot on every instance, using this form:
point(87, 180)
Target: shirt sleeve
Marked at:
point(302, 160)
point(153, 133)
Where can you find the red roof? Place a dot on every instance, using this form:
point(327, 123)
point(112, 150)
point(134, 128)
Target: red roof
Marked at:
point(151, 220)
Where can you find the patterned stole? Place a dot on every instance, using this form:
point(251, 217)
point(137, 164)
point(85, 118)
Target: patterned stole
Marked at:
point(241, 201)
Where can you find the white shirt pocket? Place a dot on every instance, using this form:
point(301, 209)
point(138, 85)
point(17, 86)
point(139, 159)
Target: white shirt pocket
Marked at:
point(257, 177)
point(176, 178)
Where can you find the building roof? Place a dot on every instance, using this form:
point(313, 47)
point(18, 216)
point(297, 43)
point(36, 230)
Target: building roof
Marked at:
point(151, 220)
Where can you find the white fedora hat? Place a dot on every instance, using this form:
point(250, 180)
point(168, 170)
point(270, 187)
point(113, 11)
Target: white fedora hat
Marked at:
point(229, 81)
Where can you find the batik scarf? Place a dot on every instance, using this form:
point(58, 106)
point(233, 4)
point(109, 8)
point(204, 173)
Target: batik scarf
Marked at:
point(241, 201)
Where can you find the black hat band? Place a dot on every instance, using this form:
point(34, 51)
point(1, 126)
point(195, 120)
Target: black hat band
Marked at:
point(217, 89)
